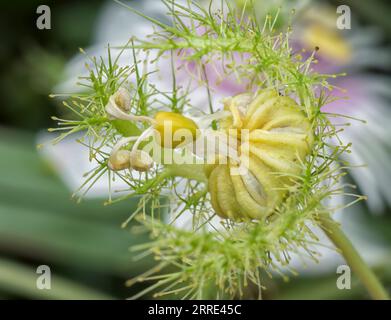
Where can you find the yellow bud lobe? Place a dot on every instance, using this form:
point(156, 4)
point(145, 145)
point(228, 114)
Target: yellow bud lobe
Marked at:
point(140, 161)
point(170, 124)
point(119, 160)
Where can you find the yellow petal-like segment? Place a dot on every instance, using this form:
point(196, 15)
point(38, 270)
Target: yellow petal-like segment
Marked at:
point(247, 204)
point(226, 195)
point(213, 190)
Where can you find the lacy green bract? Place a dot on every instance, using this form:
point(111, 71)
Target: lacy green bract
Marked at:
point(230, 255)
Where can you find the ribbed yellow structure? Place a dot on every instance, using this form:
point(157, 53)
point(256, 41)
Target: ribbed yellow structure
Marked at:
point(279, 139)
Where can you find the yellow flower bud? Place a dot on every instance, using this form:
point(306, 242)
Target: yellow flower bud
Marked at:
point(174, 129)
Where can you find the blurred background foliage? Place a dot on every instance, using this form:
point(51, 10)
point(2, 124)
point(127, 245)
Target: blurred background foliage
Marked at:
point(83, 243)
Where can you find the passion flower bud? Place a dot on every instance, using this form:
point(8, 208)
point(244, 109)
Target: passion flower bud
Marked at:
point(170, 124)
point(278, 140)
point(119, 160)
point(140, 160)
point(119, 104)
point(123, 99)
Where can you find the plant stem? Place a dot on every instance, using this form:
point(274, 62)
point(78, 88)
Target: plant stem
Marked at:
point(352, 257)
point(189, 171)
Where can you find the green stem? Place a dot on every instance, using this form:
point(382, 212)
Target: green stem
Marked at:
point(352, 257)
point(189, 171)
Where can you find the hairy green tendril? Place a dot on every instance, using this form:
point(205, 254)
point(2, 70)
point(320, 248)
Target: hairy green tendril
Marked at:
point(231, 254)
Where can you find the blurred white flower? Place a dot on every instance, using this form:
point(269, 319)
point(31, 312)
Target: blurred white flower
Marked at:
point(355, 51)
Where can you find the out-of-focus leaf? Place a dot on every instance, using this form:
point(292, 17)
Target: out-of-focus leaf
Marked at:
point(38, 220)
point(20, 280)
point(323, 287)
point(375, 11)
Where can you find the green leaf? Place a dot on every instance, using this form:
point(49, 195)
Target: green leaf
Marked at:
point(20, 280)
